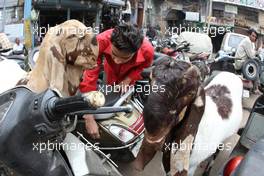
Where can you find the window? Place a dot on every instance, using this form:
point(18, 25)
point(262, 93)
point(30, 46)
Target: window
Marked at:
point(234, 40)
point(218, 13)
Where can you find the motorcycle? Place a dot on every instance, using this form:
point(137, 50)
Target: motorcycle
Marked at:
point(251, 69)
point(36, 136)
point(247, 156)
point(181, 51)
point(223, 62)
point(121, 134)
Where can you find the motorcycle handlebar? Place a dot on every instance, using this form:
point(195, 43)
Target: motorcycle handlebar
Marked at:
point(89, 103)
point(104, 110)
point(58, 107)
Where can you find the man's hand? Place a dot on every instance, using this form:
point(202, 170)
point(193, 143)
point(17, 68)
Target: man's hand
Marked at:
point(125, 85)
point(91, 126)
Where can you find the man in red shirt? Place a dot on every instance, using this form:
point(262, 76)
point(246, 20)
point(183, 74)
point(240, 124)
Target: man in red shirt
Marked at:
point(126, 53)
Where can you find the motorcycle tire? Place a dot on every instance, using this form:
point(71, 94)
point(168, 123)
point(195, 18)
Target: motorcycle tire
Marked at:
point(250, 69)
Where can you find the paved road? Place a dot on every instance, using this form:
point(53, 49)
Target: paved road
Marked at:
point(154, 168)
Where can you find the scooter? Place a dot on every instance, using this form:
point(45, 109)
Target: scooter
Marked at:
point(251, 69)
point(180, 51)
point(121, 133)
point(247, 156)
point(36, 138)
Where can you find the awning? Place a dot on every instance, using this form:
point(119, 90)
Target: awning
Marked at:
point(115, 2)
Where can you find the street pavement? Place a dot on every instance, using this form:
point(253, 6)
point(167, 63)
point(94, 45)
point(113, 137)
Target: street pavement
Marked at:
point(154, 168)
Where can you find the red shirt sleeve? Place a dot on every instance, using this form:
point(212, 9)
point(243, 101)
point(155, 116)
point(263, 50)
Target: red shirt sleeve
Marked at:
point(90, 77)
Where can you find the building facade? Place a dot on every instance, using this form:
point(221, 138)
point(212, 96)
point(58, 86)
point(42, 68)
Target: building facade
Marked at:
point(48, 13)
point(170, 15)
point(215, 17)
point(237, 15)
point(11, 18)
point(11, 11)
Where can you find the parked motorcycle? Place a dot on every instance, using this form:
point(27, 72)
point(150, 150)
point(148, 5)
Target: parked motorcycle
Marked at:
point(223, 61)
point(181, 51)
point(251, 69)
point(247, 156)
point(121, 133)
point(36, 136)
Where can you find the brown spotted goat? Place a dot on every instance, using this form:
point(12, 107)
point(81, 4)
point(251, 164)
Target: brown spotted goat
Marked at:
point(65, 52)
point(187, 121)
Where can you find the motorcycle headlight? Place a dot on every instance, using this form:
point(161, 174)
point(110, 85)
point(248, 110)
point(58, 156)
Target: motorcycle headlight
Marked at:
point(121, 133)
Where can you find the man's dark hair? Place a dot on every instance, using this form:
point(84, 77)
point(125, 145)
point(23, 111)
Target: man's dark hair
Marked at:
point(251, 30)
point(127, 38)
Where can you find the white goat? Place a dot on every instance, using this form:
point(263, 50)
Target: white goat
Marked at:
point(188, 121)
point(214, 129)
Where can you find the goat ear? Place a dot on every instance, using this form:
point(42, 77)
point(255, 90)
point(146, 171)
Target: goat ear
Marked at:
point(93, 43)
point(192, 72)
point(95, 49)
point(57, 52)
point(57, 74)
